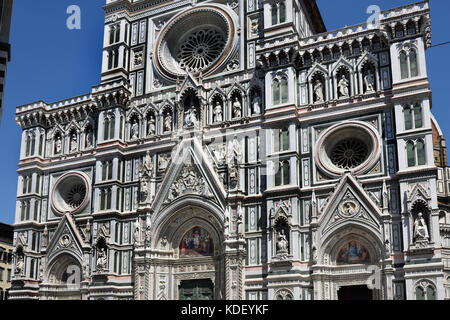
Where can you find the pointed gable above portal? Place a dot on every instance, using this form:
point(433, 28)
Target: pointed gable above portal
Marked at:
point(66, 238)
point(190, 173)
point(350, 204)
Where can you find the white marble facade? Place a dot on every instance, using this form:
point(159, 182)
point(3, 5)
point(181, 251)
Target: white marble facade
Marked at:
point(251, 154)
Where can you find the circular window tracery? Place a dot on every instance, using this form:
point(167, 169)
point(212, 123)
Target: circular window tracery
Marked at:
point(70, 193)
point(349, 153)
point(200, 50)
point(201, 39)
point(350, 146)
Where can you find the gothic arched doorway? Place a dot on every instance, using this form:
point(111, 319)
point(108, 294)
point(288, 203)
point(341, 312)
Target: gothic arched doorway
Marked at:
point(63, 279)
point(189, 260)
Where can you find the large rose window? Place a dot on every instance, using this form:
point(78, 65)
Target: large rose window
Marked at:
point(201, 39)
point(200, 50)
point(349, 153)
point(70, 193)
point(350, 146)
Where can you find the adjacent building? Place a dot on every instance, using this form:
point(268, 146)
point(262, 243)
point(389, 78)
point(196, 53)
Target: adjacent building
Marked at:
point(6, 7)
point(238, 150)
point(6, 252)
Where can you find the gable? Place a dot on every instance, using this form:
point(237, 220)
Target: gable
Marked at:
point(191, 173)
point(350, 204)
point(66, 238)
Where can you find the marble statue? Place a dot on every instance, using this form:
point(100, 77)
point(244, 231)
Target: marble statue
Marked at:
point(218, 112)
point(89, 139)
point(58, 145)
point(168, 123)
point(190, 118)
point(420, 228)
point(19, 265)
point(73, 142)
point(101, 260)
point(151, 129)
point(369, 80)
point(318, 90)
point(282, 243)
point(135, 130)
point(45, 237)
point(137, 233)
point(237, 108)
point(257, 104)
point(343, 87)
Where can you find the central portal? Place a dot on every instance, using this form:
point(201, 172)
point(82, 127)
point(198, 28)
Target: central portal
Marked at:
point(353, 293)
point(196, 290)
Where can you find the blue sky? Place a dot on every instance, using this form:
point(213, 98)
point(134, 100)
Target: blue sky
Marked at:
point(51, 63)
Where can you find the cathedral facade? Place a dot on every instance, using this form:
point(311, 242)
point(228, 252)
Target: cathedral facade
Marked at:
point(238, 150)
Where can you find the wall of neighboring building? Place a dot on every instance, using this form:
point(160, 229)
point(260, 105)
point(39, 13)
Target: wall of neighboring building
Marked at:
point(5, 48)
point(6, 249)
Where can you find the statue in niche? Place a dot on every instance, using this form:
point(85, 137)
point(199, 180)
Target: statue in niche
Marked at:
point(135, 129)
point(73, 142)
point(318, 91)
point(168, 123)
point(257, 104)
point(237, 108)
point(146, 172)
point(369, 81)
point(137, 233)
point(101, 260)
point(218, 112)
point(88, 232)
point(344, 87)
point(190, 118)
point(151, 129)
point(420, 229)
point(282, 243)
point(234, 176)
point(89, 138)
point(234, 151)
point(58, 145)
point(45, 237)
point(19, 264)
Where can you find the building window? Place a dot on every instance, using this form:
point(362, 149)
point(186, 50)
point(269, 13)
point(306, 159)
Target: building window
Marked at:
point(413, 116)
point(30, 144)
point(281, 140)
point(26, 184)
point(415, 153)
point(278, 13)
point(105, 199)
point(8, 275)
point(408, 64)
point(113, 59)
point(425, 292)
point(25, 211)
point(280, 91)
point(109, 126)
point(114, 34)
point(1, 274)
point(107, 170)
point(282, 177)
